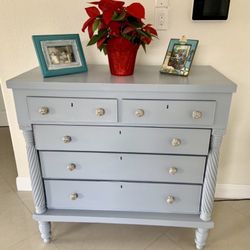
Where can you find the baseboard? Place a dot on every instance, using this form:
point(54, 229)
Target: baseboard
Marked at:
point(230, 191)
point(23, 184)
point(224, 191)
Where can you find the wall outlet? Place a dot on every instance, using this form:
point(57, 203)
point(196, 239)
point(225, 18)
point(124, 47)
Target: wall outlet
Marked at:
point(161, 3)
point(161, 18)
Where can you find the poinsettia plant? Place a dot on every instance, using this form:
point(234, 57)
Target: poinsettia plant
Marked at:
point(111, 19)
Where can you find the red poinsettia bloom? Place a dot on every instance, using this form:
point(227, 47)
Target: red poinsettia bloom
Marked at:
point(111, 19)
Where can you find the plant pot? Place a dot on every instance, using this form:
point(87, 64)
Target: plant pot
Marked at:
point(121, 55)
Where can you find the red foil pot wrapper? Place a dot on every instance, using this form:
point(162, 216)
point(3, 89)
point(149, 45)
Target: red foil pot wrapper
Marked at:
point(121, 55)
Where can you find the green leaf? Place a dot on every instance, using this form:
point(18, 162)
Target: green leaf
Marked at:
point(118, 17)
point(96, 24)
point(143, 33)
point(97, 37)
point(127, 37)
point(144, 47)
point(134, 22)
point(93, 40)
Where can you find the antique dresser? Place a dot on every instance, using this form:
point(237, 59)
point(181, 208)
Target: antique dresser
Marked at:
point(141, 149)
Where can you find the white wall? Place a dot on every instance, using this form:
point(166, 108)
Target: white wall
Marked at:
point(223, 44)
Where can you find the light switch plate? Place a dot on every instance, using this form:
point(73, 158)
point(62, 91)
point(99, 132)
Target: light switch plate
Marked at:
point(161, 3)
point(161, 18)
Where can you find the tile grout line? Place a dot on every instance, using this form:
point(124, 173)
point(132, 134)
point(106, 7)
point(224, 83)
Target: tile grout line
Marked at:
point(154, 240)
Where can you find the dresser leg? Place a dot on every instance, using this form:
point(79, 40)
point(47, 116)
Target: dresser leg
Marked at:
point(45, 230)
point(201, 237)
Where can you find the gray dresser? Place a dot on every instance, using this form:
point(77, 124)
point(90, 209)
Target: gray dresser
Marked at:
point(140, 150)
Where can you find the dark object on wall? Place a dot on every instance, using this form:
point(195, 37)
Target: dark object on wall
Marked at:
point(210, 9)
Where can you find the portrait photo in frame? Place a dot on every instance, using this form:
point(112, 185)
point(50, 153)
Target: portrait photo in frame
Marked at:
point(59, 54)
point(179, 56)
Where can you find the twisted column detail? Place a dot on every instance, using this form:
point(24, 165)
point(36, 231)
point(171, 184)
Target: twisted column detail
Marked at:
point(35, 173)
point(210, 176)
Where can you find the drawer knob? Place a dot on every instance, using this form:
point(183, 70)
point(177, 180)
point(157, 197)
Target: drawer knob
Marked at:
point(170, 199)
point(197, 115)
point(67, 139)
point(172, 170)
point(71, 167)
point(139, 112)
point(100, 112)
point(176, 142)
point(73, 196)
point(44, 110)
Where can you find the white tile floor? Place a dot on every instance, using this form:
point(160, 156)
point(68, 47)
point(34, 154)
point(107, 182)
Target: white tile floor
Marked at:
point(18, 231)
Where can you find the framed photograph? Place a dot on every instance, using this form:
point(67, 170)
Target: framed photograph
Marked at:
point(179, 57)
point(59, 54)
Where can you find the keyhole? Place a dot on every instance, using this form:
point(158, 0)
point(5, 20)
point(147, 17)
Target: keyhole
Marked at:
point(121, 158)
point(120, 132)
point(167, 107)
point(121, 186)
point(72, 104)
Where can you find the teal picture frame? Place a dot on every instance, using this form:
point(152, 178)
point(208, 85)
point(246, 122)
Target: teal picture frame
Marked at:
point(60, 54)
point(179, 56)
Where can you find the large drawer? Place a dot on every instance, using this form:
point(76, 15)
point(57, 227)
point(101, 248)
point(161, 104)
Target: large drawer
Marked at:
point(130, 167)
point(168, 112)
point(123, 196)
point(72, 110)
point(122, 139)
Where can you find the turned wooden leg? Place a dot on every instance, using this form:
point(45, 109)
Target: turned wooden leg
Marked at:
point(201, 237)
point(45, 230)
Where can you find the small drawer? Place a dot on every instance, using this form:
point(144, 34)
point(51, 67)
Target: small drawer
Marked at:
point(123, 196)
point(122, 139)
point(72, 110)
point(168, 112)
point(123, 167)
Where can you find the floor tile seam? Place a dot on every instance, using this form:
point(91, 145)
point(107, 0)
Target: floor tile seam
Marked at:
point(16, 243)
point(169, 236)
point(10, 186)
point(154, 240)
point(23, 203)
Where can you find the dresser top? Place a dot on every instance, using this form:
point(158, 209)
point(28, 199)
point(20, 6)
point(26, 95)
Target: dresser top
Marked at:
point(145, 78)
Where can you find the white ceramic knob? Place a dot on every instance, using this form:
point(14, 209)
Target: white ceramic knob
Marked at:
point(100, 112)
point(71, 167)
point(43, 110)
point(176, 142)
point(197, 114)
point(170, 199)
point(172, 170)
point(73, 196)
point(67, 139)
point(139, 112)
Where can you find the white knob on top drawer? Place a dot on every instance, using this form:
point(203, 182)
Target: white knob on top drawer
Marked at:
point(172, 170)
point(71, 167)
point(176, 142)
point(197, 114)
point(170, 199)
point(73, 196)
point(100, 112)
point(139, 112)
point(67, 139)
point(43, 110)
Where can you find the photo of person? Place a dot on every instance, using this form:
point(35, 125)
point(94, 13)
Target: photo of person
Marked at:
point(61, 54)
point(179, 56)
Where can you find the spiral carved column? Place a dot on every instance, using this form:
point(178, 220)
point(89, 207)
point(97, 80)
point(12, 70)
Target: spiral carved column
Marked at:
point(37, 184)
point(210, 177)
